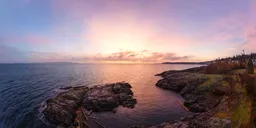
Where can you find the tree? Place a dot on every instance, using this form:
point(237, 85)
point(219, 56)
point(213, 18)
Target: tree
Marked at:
point(250, 69)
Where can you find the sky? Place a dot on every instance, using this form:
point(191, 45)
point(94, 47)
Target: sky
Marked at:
point(126, 31)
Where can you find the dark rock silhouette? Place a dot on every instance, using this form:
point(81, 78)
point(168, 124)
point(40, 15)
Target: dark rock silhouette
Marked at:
point(61, 110)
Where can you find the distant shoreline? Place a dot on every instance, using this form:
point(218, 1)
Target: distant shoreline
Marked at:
point(206, 62)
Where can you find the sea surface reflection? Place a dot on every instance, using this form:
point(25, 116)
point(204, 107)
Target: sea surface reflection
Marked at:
point(24, 87)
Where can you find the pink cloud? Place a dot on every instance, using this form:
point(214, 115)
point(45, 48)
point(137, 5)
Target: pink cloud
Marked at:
point(124, 56)
point(132, 56)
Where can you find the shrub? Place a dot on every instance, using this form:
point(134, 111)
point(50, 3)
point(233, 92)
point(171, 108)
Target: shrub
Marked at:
point(249, 82)
point(222, 67)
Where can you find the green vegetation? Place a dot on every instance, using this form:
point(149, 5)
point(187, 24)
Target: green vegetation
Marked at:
point(240, 104)
point(242, 113)
point(212, 79)
point(239, 75)
point(237, 79)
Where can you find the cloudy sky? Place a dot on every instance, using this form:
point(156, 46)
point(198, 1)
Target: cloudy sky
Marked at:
point(125, 30)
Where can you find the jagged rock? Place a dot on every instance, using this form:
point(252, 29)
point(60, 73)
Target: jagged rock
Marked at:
point(215, 122)
point(61, 109)
point(106, 98)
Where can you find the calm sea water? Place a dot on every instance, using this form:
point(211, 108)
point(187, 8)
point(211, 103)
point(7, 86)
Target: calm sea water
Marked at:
point(24, 87)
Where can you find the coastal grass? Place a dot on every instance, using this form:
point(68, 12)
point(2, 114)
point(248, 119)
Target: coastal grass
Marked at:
point(240, 103)
point(240, 106)
point(241, 114)
point(212, 78)
point(242, 110)
point(208, 84)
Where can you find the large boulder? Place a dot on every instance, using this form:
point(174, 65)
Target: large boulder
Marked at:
point(108, 97)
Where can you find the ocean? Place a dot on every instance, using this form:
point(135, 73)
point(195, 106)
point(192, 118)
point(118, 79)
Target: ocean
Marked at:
point(25, 87)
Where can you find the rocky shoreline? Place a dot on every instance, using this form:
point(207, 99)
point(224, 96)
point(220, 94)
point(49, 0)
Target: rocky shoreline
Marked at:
point(203, 94)
point(215, 99)
point(61, 110)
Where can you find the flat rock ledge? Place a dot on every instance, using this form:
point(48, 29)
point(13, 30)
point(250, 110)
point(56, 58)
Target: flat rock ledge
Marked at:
point(61, 110)
point(178, 80)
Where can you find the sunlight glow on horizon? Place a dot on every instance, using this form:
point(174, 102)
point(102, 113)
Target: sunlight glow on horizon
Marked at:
point(81, 30)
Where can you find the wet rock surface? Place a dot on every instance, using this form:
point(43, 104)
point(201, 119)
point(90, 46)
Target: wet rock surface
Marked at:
point(61, 110)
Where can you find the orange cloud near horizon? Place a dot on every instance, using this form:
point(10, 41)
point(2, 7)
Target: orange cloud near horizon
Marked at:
point(123, 56)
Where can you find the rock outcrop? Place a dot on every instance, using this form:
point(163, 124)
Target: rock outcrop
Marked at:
point(202, 93)
point(179, 80)
point(187, 84)
point(108, 97)
point(191, 70)
point(61, 110)
point(197, 98)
